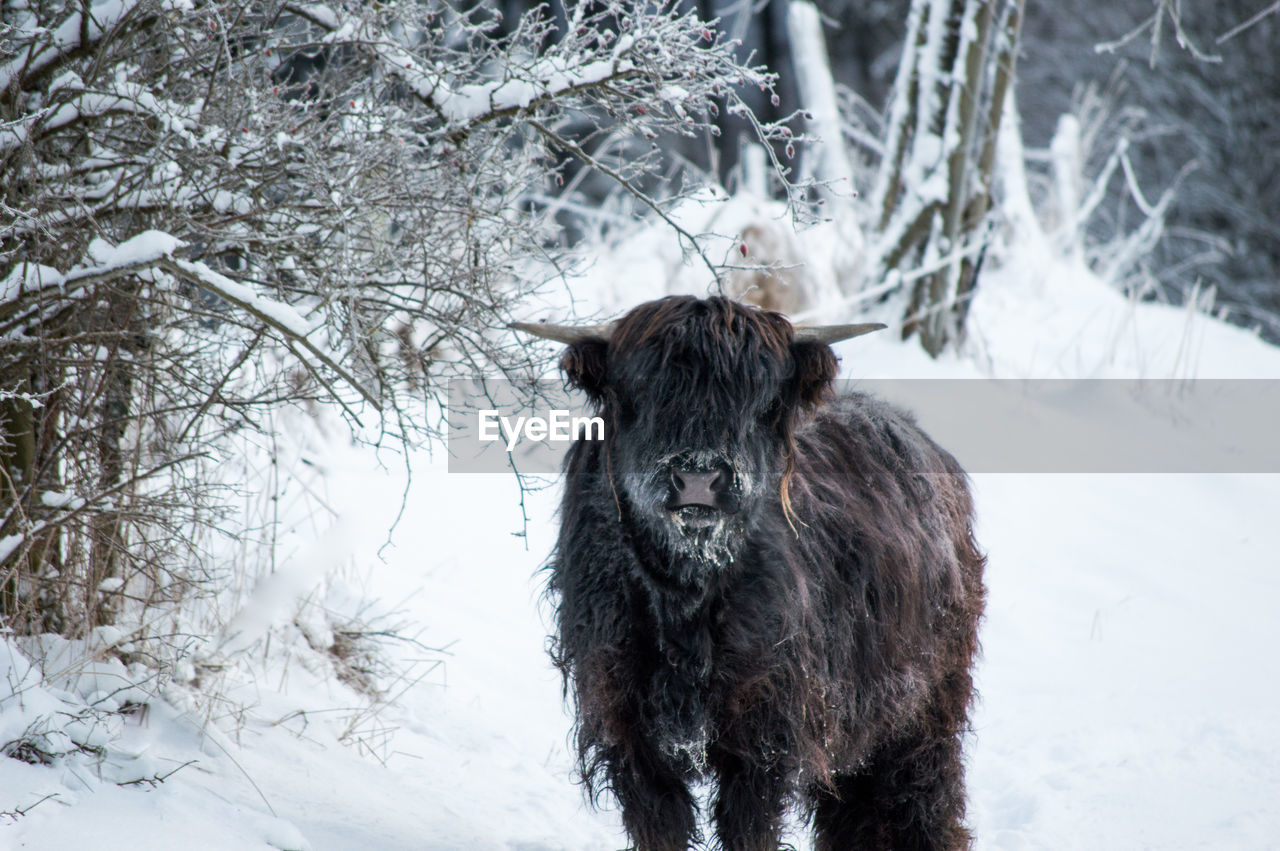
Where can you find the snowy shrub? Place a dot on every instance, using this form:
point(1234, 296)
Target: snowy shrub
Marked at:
point(67, 698)
point(222, 220)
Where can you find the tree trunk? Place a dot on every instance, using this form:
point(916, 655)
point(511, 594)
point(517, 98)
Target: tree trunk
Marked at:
point(935, 184)
point(17, 465)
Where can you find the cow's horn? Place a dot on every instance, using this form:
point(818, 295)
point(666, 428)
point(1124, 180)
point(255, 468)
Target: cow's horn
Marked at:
point(563, 333)
point(835, 333)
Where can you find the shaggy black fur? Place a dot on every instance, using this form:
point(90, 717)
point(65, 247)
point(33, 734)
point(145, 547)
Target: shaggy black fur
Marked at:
point(809, 641)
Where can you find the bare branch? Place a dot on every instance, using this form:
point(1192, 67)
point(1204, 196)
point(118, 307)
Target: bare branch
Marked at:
point(688, 240)
point(1241, 27)
point(240, 296)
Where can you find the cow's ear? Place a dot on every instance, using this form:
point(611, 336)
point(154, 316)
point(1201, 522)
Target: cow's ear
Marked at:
point(584, 364)
point(815, 370)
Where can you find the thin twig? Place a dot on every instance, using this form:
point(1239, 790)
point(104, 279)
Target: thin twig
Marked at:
point(577, 150)
point(18, 812)
point(1239, 28)
point(156, 779)
point(213, 281)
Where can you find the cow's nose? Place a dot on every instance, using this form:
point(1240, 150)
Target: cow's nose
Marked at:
point(698, 487)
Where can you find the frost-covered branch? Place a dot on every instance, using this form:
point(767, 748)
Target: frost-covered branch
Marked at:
point(282, 319)
point(688, 240)
point(1253, 20)
point(933, 190)
point(1172, 9)
point(38, 49)
point(212, 210)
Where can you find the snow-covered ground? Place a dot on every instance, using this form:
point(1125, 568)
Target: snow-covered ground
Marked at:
point(1128, 684)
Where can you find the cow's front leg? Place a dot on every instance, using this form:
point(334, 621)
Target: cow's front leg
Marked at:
point(750, 802)
point(658, 810)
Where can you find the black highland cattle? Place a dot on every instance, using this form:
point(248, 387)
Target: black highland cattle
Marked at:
point(762, 585)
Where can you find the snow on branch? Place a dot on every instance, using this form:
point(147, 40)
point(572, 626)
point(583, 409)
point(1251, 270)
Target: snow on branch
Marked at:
point(540, 81)
point(1155, 23)
point(934, 187)
point(86, 106)
point(77, 33)
point(278, 316)
point(141, 252)
point(667, 65)
point(156, 249)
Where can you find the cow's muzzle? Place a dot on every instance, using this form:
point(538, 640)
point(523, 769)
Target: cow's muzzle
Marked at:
point(699, 487)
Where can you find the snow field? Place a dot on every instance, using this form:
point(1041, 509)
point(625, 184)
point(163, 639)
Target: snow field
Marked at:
point(1127, 687)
